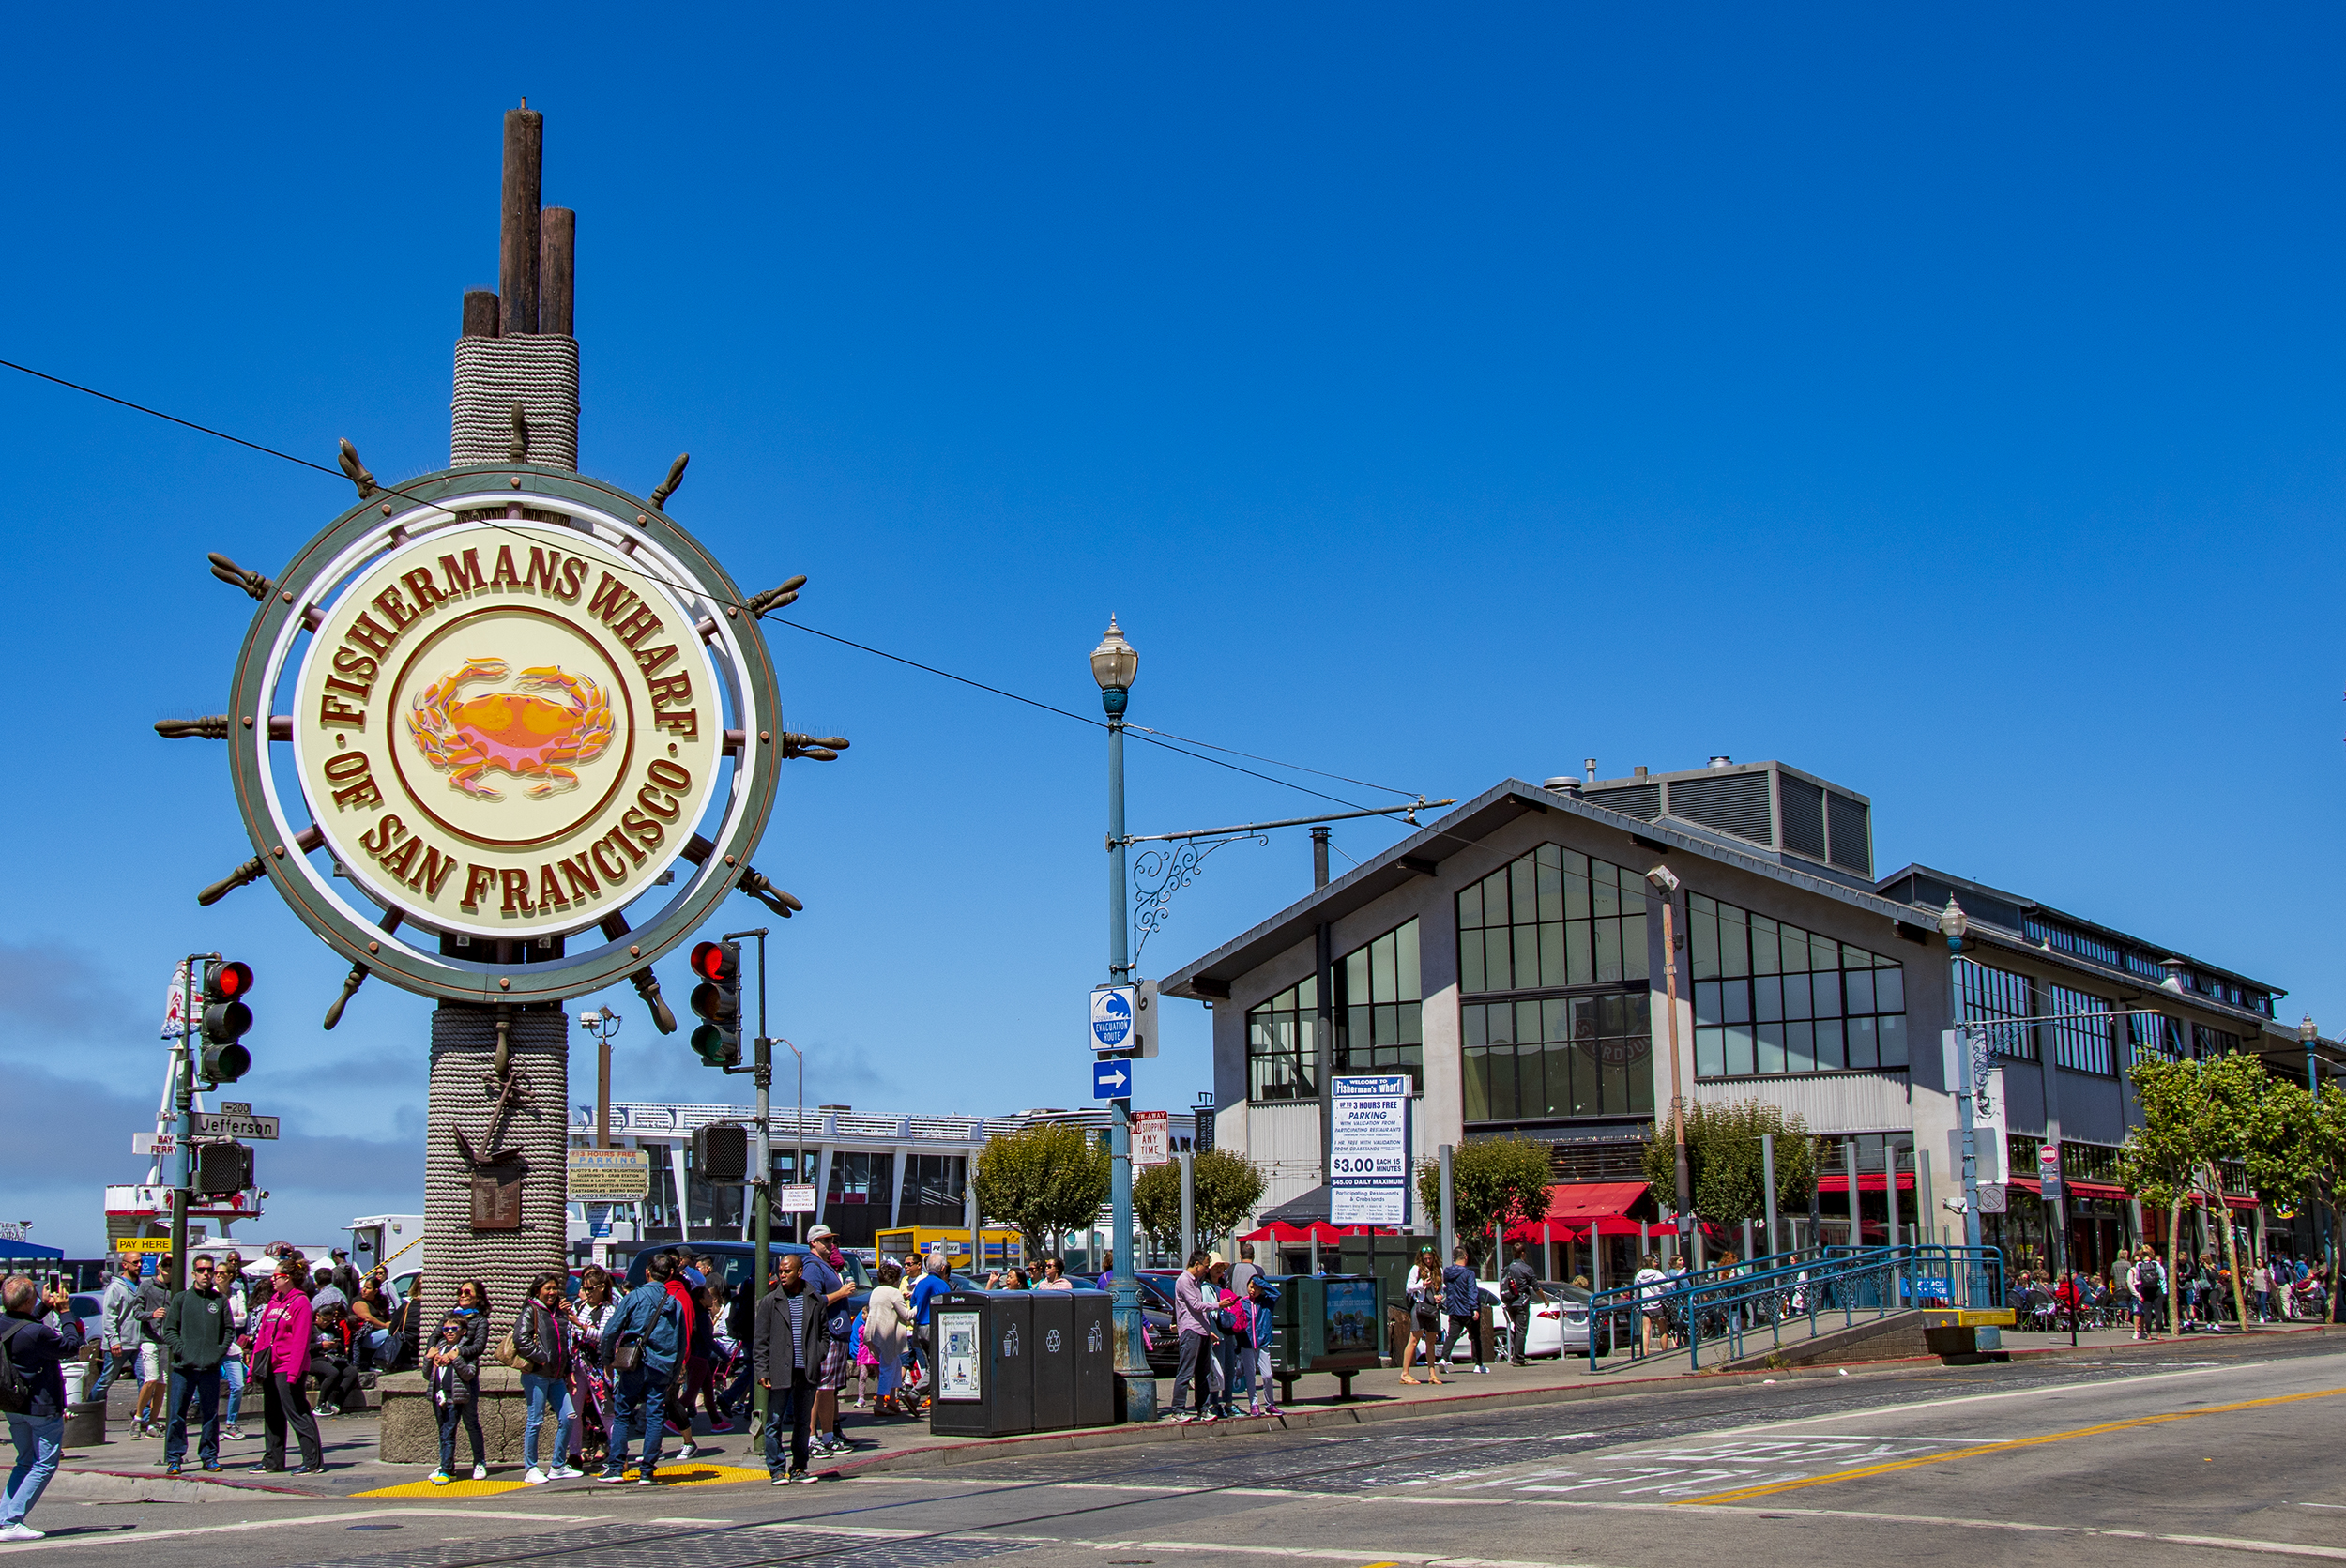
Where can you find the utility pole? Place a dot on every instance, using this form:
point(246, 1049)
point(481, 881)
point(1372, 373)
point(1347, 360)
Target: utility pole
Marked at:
point(760, 1189)
point(182, 1100)
point(1666, 883)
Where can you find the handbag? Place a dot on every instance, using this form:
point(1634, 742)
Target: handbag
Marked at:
point(627, 1354)
point(509, 1354)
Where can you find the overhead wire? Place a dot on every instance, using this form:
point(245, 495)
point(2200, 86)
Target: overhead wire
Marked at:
point(1155, 737)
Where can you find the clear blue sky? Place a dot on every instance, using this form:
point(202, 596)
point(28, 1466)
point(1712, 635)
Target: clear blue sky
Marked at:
point(1944, 401)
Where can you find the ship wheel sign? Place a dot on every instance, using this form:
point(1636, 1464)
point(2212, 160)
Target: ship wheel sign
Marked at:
point(505, 735)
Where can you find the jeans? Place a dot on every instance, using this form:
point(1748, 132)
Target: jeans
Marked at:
point(1237, 1371)
point(39, 1440)
point(639, 1401)
point(1472, 1325)
point(544, 1390)
point(794, 1403)
point(122, 1360)
point(1519, 1327)
point(232, 1384)
point(449, 1415)
point(380, 1344)
point(201, 1385)
point(1194, 1371)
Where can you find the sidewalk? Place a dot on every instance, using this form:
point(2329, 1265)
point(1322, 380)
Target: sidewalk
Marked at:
point(130, 1470)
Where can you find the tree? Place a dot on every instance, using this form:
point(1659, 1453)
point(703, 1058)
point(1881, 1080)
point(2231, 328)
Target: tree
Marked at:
point(1724, 1160)
point(1493, 1182)
point(1046, 1178)
point(2294, 1150)
point(1224, 1189)
point(2233, 1091)
point(2161, 1162)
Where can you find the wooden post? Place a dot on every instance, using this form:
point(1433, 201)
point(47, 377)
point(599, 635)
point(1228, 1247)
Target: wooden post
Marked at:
point(480, 314)
point(558, 251)
point(517, 237)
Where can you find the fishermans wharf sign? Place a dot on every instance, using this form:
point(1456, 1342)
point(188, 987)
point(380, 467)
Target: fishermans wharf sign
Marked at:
point(504, 734)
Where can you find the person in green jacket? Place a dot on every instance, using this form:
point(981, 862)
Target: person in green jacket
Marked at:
point(195, 1329)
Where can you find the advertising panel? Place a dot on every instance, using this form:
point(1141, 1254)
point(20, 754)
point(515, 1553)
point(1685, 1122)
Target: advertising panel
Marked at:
point(1368, 1152)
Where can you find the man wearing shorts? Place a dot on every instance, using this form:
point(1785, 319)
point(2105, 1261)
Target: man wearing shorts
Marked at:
point(827, 1271)
point(1653, 1286)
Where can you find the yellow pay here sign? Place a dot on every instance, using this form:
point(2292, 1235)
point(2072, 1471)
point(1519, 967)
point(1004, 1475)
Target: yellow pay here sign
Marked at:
point(144, 1243)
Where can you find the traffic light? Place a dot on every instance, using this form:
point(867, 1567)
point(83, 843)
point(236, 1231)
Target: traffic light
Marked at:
point(721, 1153)
point(718, 1000)
point(225, 1019)
point(222, 1168)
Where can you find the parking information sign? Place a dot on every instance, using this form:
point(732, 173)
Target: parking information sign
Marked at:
point(1368, 1152)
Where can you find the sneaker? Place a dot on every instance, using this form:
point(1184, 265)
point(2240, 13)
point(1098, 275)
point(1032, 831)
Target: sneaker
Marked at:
point(612, 1478)
point(721, 1425)
point(779, 1478)
point(643, 1478)
point(565, 1472)
point(480, 1473)
point(171, 1469)
point(22, 1531)
point(232, 1432)
point(213, 1466)
point(1182, 1418)
point(1206, 1420)
point(686, 1450)
point(1482, 1369)
point(804, 1478)
point(441, 1478)
point(320, 1470)
point(534, 1477)
point(267, 1470)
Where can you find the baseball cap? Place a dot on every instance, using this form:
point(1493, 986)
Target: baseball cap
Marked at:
point(818, 1233)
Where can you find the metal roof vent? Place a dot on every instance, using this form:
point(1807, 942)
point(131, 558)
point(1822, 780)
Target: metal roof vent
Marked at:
point(1564, 782)
point(1722, 762)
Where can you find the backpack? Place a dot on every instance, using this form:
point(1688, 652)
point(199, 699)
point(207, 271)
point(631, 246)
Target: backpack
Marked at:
point(1512, 1288)
point(2153, 1280)
point(16, 1391)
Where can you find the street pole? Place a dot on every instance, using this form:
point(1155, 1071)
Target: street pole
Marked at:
point(762, 1176)
point(1113, 665)
point(182, 1096)
point(1448, 1208)
point(1665, 882)
point(1189, 1214)
point(1767, 1180)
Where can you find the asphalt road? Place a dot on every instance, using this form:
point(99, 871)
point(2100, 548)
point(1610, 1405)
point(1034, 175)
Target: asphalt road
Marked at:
point(2198, 1454)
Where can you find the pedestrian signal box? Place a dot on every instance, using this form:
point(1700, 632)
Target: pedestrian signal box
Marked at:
point(222, 1168)
point(721, 1152)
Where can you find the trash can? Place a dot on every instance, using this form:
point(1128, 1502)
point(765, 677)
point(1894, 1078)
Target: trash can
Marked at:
point(984, 1363)
point(1053, 1360)
point(1098, 1390)
point(1326, 1323)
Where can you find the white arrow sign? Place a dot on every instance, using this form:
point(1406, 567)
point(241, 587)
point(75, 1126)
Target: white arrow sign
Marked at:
point(1110, 1080)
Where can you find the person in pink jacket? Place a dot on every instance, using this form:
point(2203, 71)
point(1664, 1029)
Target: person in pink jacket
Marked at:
point(279, 1360)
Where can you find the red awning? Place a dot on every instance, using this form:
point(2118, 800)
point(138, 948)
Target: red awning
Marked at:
point(2099, 1189)
point(1867, 1183)
point(1575, 1208)
point(1297, 1236)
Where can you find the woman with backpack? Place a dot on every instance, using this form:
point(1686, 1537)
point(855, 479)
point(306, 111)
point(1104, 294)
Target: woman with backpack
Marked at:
point(2149, 1283)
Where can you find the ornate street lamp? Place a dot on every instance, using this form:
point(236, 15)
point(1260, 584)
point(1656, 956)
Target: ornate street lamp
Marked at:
point(1114, 663)
point(1682, 1201)
point(1953, 923)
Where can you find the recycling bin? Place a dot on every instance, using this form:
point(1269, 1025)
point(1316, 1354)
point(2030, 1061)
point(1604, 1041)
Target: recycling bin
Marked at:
point(1054, 1350)
point(984, 1360)
point(1326, 1323)
point(1099, 1393)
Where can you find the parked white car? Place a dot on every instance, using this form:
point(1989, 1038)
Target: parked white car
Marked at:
point(1560, 1323)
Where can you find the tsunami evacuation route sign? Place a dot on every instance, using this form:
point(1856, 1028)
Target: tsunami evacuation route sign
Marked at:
point(512, 709)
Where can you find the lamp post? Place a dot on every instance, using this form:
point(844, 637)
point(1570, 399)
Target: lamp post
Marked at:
point(1114, 663)
point(2307, 1035)
point(1666, 883)
point(1953, 923)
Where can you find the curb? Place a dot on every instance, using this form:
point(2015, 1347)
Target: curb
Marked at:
point(124, 1487)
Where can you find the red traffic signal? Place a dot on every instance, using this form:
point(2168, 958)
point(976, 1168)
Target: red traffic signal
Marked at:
point(717, 961)
point(226, 982)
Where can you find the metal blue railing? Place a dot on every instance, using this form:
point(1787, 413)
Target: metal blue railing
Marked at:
point(1733, 1302)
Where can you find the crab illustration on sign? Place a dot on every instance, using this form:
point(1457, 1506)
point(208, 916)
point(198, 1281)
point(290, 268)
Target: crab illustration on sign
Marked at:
point(517, 732)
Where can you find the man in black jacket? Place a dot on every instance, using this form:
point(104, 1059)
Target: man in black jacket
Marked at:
point(38, 1433)
point(195, 1331)
point(788, 1354)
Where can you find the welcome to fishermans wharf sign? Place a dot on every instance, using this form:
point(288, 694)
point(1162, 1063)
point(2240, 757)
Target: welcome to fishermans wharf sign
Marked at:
point(505, 701)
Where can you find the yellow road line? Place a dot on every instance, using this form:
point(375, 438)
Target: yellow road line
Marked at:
point(1771, 1488)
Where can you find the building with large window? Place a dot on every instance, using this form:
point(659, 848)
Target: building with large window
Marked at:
point(1509, 960)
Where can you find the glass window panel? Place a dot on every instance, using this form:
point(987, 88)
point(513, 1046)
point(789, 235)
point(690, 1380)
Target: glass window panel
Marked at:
point(1830, 1053)
point(1580, 963)
point(1734, 942)
point(1470, 908)
point(1356, 981)
point(1767, 998)
point(1413, 1024)
point(1771, 1047)
point(1381, 969)
point(1499, 969)
point(1494, 897)
point(1523, 907)
point(1258, 1032)
point(1799, 1048)
point(1633, 954)
point(1576, 889)
point(1607, 934)
point(1473, 1027)
point(1388, 1024)
point(1475, 1082)
point(1705, 944)
point(1825, 993)
point(1740, 1060)
point(1500, 1017)
point(1357, 1029)
point(1503, 1059)
point(1633, 892)
point(1527, 1022)
point(1890, 990)
point(1405, 948)
point(1766, 951)
point(1307, 995)
point(1794, 942)
point(1641, 1075)
point(1559, 1072)
point(1710, 1053)
point(1861, 990)
point(1864, 1044)
point(1551, 969)
point(1554, 1021)
point(1531, 1081)
point(1796, 995)
point(1707, 1002)
point(1735, 1001)
point(1471, 970)
point(1894, 1041)
point(1551, 886)
point(1614, 1089)
point(1604, 895)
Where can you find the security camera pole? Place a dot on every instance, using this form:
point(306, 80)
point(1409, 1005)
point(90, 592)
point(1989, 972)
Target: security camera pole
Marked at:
point(1665, 882)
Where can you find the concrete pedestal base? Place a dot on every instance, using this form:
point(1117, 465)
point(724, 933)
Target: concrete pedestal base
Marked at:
point(411, 1424)
point(84, 1424)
